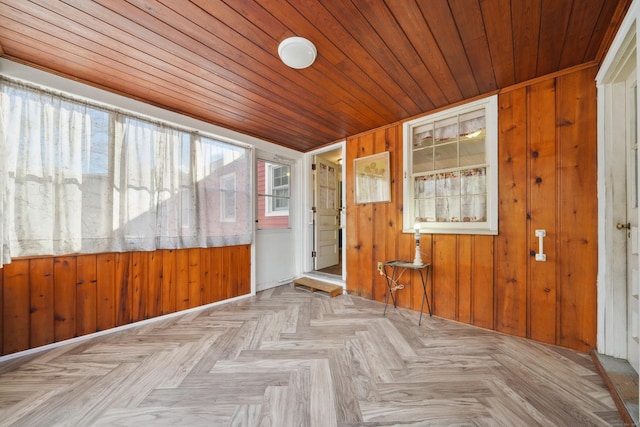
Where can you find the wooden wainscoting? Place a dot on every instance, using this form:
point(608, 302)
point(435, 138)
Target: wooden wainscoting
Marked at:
point(547, 180)
point(46, 300)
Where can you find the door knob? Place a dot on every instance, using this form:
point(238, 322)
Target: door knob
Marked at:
point(621, 226)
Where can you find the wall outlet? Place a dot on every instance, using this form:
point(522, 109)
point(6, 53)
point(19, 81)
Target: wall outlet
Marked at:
point(380, 266)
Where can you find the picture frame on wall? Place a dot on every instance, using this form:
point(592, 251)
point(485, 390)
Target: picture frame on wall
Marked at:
point(372, 178)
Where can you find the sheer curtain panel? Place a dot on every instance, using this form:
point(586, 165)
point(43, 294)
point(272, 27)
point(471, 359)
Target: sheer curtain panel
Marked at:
point(82, 178)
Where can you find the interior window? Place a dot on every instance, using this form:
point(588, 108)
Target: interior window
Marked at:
point(451, 170)
point(273, 194)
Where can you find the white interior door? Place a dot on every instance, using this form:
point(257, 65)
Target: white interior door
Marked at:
point(631, 226)
point(327, 215)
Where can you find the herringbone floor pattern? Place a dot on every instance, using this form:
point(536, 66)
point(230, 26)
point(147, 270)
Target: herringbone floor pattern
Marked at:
point(291, 358)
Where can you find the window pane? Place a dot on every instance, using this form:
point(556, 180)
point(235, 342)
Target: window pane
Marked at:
point(472, 124)
point(423, 160)
point(423, 136)
point(426, 210)
point(447, 184)
point(446, 130)
point(473, 184)
point(448, 209)
point(273, 194)
point(280, 203)
point(446, 156)
point(473, 181)
point(474, 208)
point(472, 151)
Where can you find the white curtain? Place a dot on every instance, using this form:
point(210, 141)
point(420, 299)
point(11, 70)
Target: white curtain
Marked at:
point(77, 178)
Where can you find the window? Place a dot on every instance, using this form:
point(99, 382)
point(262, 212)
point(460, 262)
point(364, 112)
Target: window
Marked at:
point(451, 170)
point(278, 187)
point(86, 178)
point(273, 194)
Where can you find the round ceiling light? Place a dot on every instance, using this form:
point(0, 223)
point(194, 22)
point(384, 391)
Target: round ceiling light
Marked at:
point(297, 52)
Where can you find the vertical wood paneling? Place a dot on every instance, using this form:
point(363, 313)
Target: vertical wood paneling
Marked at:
point(365, 226)
point(379, 251)
point(182, 279)
point(445, 275)
point(219, 276)
point(206, 276)
point(106, 293)
point(16, 306)
point(464, 278)
point(169, 266)
point(577, 216)
point(140, 284)
point(42, 301)
point(512, 253)
point(244, 263)
point(232, 268)
point(227, 274)
point(123, 289)
point(547, 173)
point(86, 294)
point(380, 223)
point(543, 210)
point(482, 282)
point(351, 240)
point(195, 291)
point(154, 285)
point(64, 307)
point(219, 265)
point(224, 276)
point(45, 300)
point(391, 222)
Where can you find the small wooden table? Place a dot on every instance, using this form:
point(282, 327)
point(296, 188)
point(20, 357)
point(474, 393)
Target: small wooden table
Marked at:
point(397, 268)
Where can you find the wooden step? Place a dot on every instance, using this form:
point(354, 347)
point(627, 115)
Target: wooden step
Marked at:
point(622, 381)
point(314, 285)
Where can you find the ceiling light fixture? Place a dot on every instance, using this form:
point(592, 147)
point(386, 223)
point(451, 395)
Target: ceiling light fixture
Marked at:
point(297, 52)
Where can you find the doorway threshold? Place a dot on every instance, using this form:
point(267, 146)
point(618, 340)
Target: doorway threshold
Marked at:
point(315, 285)
point(332, 278)
point(622, 381)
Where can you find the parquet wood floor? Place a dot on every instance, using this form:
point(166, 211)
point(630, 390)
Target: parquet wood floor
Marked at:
point(287, 357)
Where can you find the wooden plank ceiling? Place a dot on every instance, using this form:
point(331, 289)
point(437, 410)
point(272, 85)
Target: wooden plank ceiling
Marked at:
point(379, 61)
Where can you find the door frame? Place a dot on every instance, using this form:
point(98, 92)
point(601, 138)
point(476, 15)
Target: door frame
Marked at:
point(612, 321)
point(308, 264)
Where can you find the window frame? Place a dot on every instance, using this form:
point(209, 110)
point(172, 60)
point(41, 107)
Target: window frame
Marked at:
point(490, 226)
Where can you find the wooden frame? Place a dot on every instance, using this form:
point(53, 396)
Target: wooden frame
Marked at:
point(372, 178)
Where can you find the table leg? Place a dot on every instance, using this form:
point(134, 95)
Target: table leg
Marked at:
point(424, 295)
point(389, 289)
point(393, 278)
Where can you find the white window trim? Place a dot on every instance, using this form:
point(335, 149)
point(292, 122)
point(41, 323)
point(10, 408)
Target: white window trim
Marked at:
point(269, 166)
point(491, 149)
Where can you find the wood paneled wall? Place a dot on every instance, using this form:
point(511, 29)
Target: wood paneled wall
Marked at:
point(547, 180)
point(46, 300)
